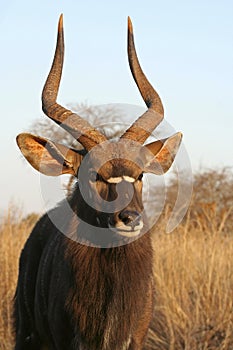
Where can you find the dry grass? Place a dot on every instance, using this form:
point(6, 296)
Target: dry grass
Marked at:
point(194, 289)
point(193, 272)
point(13, 232)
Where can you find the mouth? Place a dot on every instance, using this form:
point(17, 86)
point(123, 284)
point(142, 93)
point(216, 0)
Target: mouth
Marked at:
point(126, 231)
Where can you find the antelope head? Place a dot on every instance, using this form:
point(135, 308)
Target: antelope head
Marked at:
point(109, 173)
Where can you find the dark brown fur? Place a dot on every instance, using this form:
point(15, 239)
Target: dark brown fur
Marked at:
point(73, 296)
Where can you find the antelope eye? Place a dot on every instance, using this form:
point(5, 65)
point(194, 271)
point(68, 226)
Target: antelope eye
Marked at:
point(93, 176)
point(140, 177)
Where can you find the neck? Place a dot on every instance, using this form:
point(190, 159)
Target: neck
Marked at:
point(110, 284)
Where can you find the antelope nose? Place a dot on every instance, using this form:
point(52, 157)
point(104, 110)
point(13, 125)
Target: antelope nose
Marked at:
point(130, 218)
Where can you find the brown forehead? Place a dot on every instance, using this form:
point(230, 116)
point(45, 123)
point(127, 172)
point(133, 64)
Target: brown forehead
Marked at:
point(116, 159)
point(119, 168)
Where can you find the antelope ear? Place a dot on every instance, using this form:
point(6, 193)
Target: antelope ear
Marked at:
point(164, 152)
point(49, 158)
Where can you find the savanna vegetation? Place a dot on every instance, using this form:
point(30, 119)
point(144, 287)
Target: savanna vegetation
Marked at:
point(193, 269)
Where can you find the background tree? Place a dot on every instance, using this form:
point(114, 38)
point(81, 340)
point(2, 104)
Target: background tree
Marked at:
point(107, 119)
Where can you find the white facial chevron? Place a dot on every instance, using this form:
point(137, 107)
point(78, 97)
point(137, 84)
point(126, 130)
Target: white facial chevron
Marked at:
point(116, 180)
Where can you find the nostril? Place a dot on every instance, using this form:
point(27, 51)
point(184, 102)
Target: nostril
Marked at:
point(137, 220)
point(125, 217)
point(130, 218)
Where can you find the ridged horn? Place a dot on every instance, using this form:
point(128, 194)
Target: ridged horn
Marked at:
point(141, 129)
point(79, 128)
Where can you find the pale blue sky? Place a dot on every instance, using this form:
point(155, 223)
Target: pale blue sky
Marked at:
point(186, 50)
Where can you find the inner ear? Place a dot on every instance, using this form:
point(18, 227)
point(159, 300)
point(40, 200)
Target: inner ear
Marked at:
point(49, 158)
point(162, 154)
point(155, 147)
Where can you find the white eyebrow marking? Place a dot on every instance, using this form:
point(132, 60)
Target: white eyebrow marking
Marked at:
point(117, 180)
point(128, 178)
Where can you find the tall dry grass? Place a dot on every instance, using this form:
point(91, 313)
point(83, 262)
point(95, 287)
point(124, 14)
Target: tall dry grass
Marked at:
point(193, 271)
point(14, 230)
